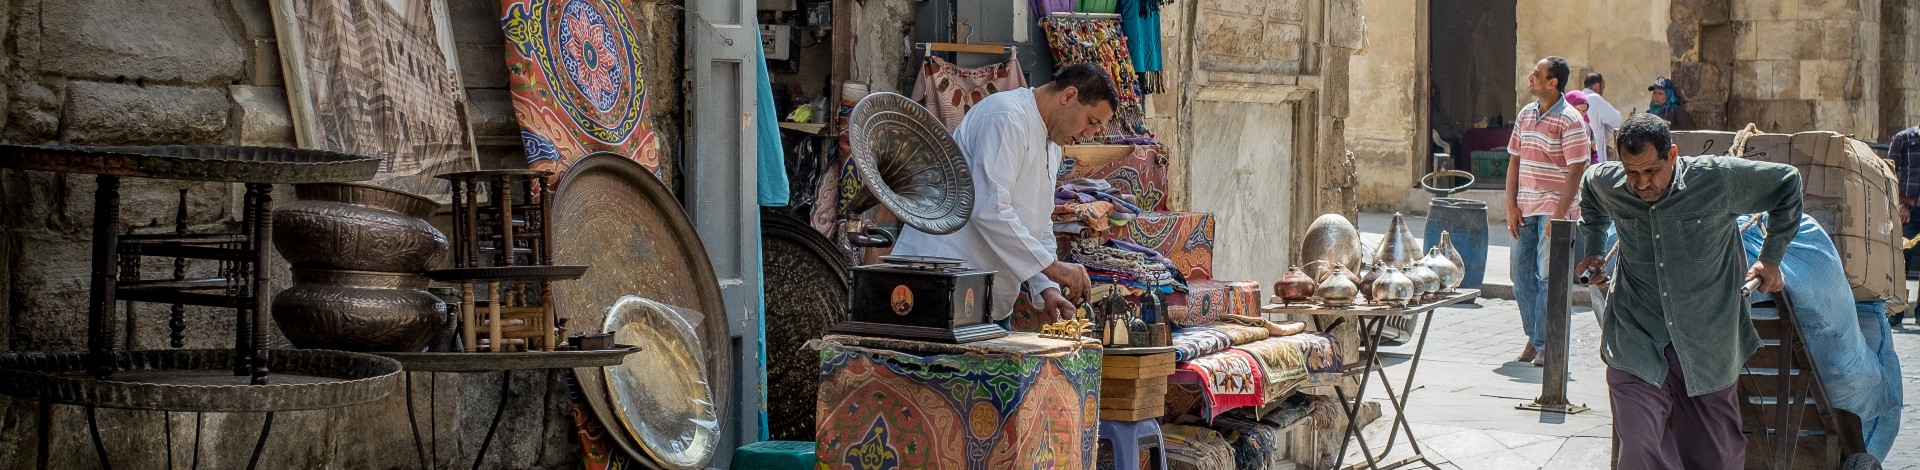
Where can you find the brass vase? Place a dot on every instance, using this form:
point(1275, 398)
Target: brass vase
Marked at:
point(1338, 290)
point(1393, 288)
point(357, 227)
point(1397, 248)
point(1333, 239)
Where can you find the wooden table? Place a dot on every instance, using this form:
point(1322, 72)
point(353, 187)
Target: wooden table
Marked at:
point(1372, 322)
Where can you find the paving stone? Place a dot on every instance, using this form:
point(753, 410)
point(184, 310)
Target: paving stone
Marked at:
point(1540, 453)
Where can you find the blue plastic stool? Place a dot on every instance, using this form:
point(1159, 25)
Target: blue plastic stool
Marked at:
point(1128, 438)
point(774, 455)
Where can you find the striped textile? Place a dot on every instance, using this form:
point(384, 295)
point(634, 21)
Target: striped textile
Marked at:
point(1546, 143)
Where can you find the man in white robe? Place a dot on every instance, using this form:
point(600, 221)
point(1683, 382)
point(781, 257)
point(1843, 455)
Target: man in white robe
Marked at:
point(1012, 141)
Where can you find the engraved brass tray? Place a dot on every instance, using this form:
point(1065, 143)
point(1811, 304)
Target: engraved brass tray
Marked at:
point(669, 407)
point(201, 380)
point(196, 163)
point(611, 214)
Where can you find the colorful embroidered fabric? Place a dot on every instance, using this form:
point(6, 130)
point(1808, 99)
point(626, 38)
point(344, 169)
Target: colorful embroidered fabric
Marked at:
point(1094, 214)
point(1227, 380)
point(1257, 445)
point(1142, 174)
point(887, 409)
point(1189, 343)
point(1241, 334)
point(1202, 304)
point(1196, 448)
point(1186, 238)
point(1283, 361)
point(576, 81)
point(950, 90)
point(1099, 41)
point(1243, 298)
point(598, 450)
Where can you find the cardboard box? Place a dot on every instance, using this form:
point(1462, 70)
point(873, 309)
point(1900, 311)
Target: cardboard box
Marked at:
point(1849, 189)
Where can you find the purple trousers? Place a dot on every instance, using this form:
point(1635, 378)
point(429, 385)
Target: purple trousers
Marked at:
point(1660, 427)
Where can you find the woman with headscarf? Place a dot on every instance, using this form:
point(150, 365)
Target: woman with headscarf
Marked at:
point(1578, 99)
point(1667, 102)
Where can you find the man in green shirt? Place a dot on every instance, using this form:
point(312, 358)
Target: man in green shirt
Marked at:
point(1676, 329)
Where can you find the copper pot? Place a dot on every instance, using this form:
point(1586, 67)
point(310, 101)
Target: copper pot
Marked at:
point(1369, 275)
point(357, 227)
point(358, 311)
point(1294, 286)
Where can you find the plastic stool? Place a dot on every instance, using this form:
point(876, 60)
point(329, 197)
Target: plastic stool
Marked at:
point(1129, 438)
point(774, 455)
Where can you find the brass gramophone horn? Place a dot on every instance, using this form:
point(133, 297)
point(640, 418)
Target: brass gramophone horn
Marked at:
point(908, 163)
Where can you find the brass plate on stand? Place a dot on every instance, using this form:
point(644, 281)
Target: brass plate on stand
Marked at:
point(201, 380)
point(612, 215)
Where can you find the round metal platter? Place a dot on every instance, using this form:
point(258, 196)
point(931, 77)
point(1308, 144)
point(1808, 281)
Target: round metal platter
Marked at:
point(612, 215)
point(201, 380)
point(678, 425)
point(807, 287)
point(894, 138)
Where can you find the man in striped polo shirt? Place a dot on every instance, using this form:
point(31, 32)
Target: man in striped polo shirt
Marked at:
point(1549, 150)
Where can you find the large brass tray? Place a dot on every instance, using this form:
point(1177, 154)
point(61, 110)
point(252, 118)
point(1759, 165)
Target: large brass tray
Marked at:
point(611, 214)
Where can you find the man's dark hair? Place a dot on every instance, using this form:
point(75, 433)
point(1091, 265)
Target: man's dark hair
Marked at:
point(1593, 79)
point(1642, 130)
point(1094, 83)
point(1558, 71)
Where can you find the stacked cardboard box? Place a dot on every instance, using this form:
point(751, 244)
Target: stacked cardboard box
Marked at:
point(1134, 388)
point(1850, 190)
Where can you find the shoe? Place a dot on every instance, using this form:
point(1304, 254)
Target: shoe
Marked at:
point(1528, 355)
point(1540, 360)
point(1899, 318)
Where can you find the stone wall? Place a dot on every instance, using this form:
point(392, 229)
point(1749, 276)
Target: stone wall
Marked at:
point(126, 72)
point(1797, 65)
point(1385, 90)
point(1623, 40)
point(1900, 65)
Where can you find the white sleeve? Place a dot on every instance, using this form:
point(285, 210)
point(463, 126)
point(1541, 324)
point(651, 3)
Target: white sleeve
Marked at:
point(993, 145)
point(1037, 284)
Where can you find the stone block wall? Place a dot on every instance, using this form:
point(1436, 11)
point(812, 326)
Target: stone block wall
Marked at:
point(156, 72)
point(1796, 65)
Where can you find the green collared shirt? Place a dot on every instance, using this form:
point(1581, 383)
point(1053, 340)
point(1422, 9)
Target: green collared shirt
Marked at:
point(1681, 264)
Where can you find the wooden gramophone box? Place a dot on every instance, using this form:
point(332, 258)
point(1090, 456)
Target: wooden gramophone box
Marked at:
point(922, 298)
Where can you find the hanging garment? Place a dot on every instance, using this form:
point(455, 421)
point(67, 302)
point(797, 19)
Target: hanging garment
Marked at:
point(950, 90)
point(1100, 42)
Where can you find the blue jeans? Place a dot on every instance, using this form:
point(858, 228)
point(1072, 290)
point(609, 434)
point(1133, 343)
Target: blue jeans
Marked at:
point(1529, 257)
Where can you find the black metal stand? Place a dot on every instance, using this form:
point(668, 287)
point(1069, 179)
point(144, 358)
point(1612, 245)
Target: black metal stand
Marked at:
point(1371, 321)
point(499, 412)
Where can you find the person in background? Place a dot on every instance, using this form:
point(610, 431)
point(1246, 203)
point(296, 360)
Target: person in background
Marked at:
point(1905, 153)
point(1677, 328)
point(1604, 119)
point(1549, 151)
point(1669, 105)
point(1011, 141)
point(1579, 101)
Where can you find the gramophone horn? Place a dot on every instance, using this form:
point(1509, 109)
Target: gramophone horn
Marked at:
point(910, 164)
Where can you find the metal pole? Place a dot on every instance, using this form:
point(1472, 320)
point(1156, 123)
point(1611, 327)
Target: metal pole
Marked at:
point(1553, 379)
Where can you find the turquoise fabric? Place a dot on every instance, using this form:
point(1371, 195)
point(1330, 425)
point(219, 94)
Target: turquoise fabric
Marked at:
point(773, 161)
point(1140, 21)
